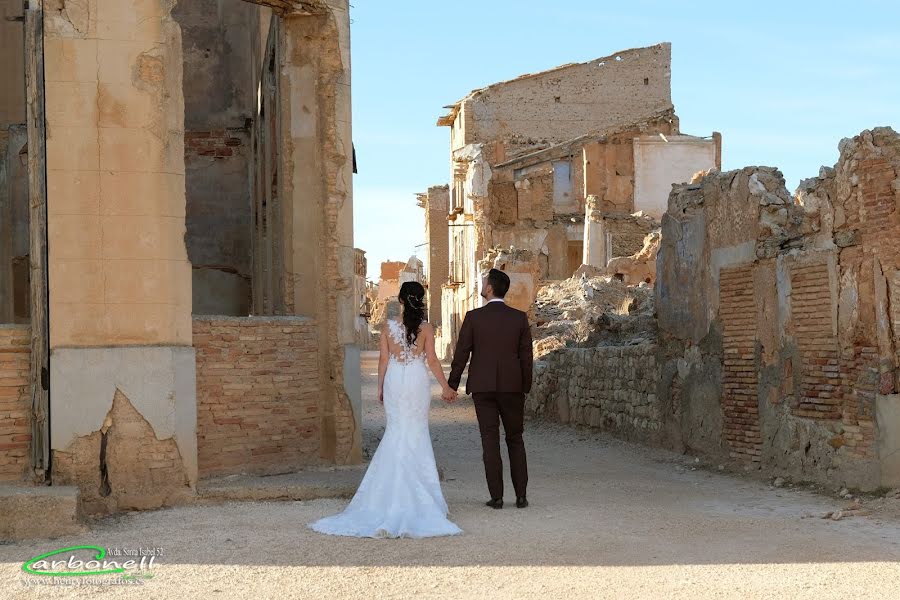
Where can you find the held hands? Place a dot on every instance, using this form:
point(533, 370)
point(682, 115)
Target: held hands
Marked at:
point(449, 394)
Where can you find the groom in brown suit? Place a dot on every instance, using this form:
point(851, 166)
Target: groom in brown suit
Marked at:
point(498, 338)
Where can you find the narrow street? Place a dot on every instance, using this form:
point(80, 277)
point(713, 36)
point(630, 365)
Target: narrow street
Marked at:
point(607, 519)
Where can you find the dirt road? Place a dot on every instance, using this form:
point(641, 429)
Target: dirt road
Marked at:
point(608, 519)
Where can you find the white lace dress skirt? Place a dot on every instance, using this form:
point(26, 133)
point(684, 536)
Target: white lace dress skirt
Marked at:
point(400, 494)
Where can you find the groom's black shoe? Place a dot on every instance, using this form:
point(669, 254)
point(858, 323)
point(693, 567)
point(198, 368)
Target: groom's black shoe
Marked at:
point(495, 503)
point(521, 502)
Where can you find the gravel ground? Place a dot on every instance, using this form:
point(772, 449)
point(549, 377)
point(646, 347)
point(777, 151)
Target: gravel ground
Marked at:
point(607, 519)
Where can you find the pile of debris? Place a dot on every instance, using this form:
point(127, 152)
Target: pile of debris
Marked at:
point(586, 311)
point(595, 307)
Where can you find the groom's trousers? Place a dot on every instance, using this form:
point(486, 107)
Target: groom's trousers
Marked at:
point(490, 409)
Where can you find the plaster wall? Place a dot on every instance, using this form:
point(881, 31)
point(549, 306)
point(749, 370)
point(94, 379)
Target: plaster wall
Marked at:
point(659, 163)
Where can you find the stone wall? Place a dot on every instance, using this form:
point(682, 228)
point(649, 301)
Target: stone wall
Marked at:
point(122, 361)
point(609, 387)
point(12, 64)
point(15, 269)
point(778, 338)
point(122, 366)
point(571, 100)
point(118, 268)
point(220, 43)
point(625, 233)
point(436, 203)
point(659, 162)
point(523, 269)
point(258, 395)
point(14, 235)
point(218, 220)
point(15, 401)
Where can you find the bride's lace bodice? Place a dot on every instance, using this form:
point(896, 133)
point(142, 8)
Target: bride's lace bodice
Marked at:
point(404, 353)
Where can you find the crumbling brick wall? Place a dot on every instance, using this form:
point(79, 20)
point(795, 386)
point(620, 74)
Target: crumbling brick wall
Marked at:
point(258, 393)
point(571, 100)
point(778, 332)
point(740, 414)
point(776, 320)
point(137, 470)
point(15, 401)
point(627, 232)
point(610, 387)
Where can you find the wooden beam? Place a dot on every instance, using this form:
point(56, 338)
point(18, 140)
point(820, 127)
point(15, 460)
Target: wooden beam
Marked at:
point(37, 201)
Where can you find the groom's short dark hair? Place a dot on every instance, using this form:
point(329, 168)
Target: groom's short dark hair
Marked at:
point(499, 282)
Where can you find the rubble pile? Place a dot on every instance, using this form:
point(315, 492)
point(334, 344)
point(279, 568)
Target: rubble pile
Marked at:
point(592, 309)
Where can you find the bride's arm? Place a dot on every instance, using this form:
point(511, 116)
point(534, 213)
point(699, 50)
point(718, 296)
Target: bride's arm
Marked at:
point(433, 362)
point(383, 358)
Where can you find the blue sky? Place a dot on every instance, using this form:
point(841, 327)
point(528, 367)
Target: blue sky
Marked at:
point(783, 82)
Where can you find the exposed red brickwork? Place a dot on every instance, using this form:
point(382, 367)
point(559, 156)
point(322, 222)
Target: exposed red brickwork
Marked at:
point(879, 193)
point(257, 394)
point(391, 269)
point(737, 310)
point(149, 478)
point(894, 300)
point(15, 401)
point(812, 314)
point(220, 143)
point(880, 217)
point(859, 378)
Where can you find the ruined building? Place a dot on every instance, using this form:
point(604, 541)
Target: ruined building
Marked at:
point(778, 341)
point(393, 275)
point(436, 202)
point(168, 170)
point(362, 301)
point(531, 157)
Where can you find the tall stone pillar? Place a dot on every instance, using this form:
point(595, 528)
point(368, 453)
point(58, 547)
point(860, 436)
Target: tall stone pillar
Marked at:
point(317, 187)
point(436, 203)
point(122, 384)
point(594, 235)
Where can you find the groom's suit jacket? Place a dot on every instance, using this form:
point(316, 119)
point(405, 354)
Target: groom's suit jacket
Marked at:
point(498, 338)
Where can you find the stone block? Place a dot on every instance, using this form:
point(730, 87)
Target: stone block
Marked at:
point(70, 59)
point(76, 281)
point(159, 194)
point(71, 149)
point(71, 103)
point(143, 237)
point(38, 512)
point(74, 192)
point(73, 236)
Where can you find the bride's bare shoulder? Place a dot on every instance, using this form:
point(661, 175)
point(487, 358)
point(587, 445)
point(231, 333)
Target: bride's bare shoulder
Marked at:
point(426, 327)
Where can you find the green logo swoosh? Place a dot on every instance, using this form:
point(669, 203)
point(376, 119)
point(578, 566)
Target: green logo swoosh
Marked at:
point(101, 554)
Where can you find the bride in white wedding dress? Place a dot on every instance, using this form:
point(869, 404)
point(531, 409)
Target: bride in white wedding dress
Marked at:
point(400, 494)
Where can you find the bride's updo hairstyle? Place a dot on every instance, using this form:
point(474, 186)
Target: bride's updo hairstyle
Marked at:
point(412, 297)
